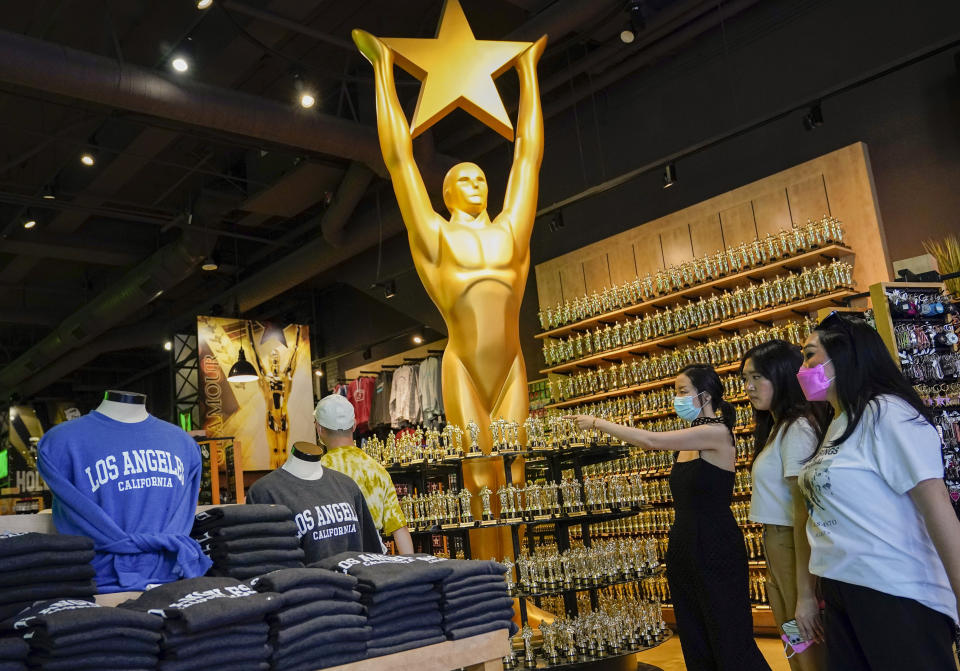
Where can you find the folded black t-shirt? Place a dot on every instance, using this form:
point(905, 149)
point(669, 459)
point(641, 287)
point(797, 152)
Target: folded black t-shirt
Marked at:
point(473, 594)
point(199, 604)
point(288, 579)
point(218, 547)
point(318, 624)
point(338, 641)
point(68, 616)
point(252, 571)
point(401, 636)
point(53, 590)
point(223, 639)
point(331, 513)
point(311, 660)
point(18, 543)
point(502, 614)
point(47, 558)
point(461, 569)
point(100, 646)
point(12, 648)
point(253, 630)
point(293, 597)
point(45, 574)
point(258, 557)
point(480, 607)
point(398, 595)
point(379, 573)
point(255, 530)
point(288, 617)
point(94, 661)
point(219, 658)
point(458, 587)
point(239, 514)
point(398, 605)
point(40, 639)
point(412, 618)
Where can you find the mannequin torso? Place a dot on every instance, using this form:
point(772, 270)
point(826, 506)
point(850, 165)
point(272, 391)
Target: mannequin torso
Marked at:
point(124, 406)
point(304, 461)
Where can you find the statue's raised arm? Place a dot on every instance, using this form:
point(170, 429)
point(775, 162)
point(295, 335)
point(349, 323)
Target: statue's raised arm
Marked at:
point(397, 147)
point(520, 200)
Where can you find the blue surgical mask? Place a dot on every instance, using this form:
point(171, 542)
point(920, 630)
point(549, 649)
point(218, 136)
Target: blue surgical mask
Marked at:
point(685, 408)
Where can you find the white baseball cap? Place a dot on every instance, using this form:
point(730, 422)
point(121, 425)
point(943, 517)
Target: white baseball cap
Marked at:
point(334, 412)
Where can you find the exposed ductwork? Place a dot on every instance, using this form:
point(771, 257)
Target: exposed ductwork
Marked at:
point(40, 65)
point(144, 283)
point(351, 190)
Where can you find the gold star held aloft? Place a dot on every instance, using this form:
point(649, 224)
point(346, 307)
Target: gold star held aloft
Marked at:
point(457, 70)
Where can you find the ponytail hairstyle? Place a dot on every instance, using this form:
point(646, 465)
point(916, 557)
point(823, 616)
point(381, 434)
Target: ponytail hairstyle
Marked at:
point(706, 381)
point(779, 361)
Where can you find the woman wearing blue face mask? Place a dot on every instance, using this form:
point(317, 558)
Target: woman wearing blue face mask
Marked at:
point(706, 557)
point(883, 536)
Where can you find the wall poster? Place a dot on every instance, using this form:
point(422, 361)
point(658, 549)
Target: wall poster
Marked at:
point(265, 417)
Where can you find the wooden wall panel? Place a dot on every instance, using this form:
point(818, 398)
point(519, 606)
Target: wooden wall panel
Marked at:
point(571, 281)
point(738, 224)
point(549, 292)
point(623, 265)
point(677, 247)
point(649, 255)
point(706, 236)
point(808, 199)
point(839, 183)
point(596, 273)
point(772, 212)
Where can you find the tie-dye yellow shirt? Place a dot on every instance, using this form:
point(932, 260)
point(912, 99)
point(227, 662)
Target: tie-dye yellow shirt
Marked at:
point(374, 482)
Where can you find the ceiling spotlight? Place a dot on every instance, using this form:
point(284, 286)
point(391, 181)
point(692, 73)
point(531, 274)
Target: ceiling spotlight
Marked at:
point(813, 118)
point(49, 193)
point(183, 56)
point(30, 222)
point(417, 339)
point(637, 22)
point(305, 93)
point(167, 345)
point(204, 4)
point(180, 63)
point(389, 289)
point(318, 372)
point(89, 158)
point(210, 263)
point(669, 175)
point(307, 100)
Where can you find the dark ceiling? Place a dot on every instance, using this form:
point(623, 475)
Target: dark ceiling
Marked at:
point(221, 161)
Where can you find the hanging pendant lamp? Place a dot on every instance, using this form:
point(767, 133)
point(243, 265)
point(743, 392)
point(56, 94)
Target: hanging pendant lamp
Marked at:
point(242, 370)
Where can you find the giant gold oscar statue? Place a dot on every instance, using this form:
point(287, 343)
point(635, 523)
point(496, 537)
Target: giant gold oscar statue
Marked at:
point(474, 269)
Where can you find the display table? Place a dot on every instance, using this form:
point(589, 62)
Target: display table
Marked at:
point(477, 653)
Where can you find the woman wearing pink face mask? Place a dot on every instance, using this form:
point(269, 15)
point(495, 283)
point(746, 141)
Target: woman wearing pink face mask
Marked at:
point(884, 539)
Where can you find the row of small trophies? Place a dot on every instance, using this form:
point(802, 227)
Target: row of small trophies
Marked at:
point(782, 290)
point(619, 528)
point(657, 589)
point(758, 586)
point(620, 627)
point(741, 513)
point(643, 369)
point(604, 563)
point(648, 403)
point(785, 244)
point(534, 501)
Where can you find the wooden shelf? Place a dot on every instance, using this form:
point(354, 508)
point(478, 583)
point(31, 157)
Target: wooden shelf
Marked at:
point(476, 653)
point(761, 272)
point(669, 342)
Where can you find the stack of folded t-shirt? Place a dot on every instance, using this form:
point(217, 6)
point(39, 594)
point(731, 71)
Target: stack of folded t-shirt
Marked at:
point(74, 635)
point(13, 653)
point(247, 541)
point(474, 599)
point(321, 622)
point(401, 595)
point(210, 624)
point(36, 566)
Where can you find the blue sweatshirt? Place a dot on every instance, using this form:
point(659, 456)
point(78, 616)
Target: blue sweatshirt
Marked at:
point(132, 488)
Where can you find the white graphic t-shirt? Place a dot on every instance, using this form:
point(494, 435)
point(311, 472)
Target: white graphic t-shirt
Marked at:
point(781, 458)
point(864, 528)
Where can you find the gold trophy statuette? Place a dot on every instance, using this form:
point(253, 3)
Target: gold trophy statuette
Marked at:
point(473, 268)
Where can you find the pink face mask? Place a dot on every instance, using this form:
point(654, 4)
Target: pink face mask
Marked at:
point(814, 382)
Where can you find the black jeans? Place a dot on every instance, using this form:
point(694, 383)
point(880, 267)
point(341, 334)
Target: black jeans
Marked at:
point(867, 630)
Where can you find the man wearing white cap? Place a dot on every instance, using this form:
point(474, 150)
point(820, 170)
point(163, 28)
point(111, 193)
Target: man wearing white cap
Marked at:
point(335, 424)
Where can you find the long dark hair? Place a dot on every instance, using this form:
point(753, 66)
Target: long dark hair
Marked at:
point(864, 370)
point(778, 361)
point(705, 379)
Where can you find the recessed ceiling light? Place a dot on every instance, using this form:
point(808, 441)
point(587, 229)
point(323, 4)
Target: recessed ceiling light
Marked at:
point(307, 100)
point(204, 4)
point(30, 223)
point(180, 64)
point(88, 158)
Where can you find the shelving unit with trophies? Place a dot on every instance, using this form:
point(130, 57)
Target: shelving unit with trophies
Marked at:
point(615, 354)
